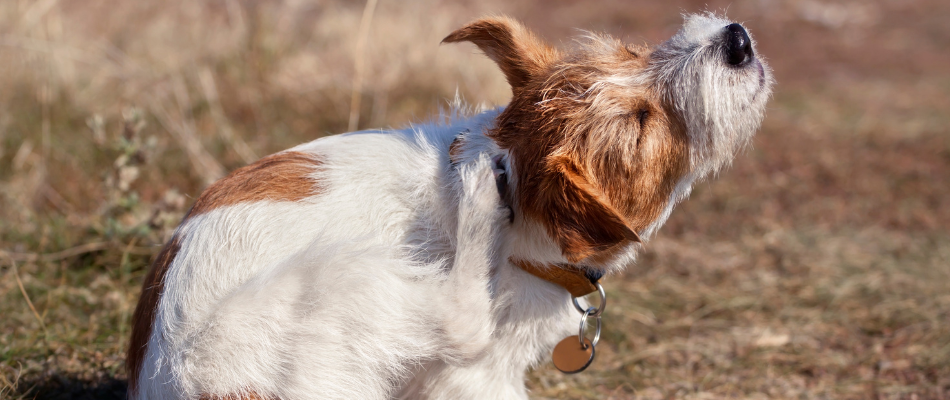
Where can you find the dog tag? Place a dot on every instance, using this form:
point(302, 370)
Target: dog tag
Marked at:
point(570, 358)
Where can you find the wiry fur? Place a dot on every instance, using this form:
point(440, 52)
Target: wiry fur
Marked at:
point(717, 104)
point(374, 265)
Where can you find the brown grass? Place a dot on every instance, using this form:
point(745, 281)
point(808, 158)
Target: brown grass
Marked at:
point(817, 267)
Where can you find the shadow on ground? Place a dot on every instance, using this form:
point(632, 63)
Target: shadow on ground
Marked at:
point(66, 387)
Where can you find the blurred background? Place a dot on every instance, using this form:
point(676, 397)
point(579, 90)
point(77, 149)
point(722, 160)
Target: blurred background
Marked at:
point(818, 266)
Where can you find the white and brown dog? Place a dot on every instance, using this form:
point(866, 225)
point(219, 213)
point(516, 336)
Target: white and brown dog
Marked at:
point(386, 264)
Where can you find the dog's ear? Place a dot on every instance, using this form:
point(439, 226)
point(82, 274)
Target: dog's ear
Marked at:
point(581, 220)
point(518, 52)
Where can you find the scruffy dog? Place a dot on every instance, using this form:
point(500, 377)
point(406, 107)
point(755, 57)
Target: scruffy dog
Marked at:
point(419, 263)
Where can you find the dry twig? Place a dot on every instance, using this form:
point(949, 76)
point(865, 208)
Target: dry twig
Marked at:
point(16, 274)
point(206, 78)
point(356, 94)
point(59, 255)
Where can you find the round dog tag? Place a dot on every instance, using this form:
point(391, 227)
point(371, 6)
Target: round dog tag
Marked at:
point(570, 358)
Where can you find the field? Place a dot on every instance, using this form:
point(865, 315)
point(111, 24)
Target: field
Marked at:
point(817, 267)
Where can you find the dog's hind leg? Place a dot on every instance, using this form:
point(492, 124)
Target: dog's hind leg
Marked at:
point(482, 223)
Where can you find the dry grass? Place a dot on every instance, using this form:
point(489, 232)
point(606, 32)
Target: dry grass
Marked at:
point(817, 267)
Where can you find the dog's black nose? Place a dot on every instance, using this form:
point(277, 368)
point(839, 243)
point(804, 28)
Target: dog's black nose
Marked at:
point(738, 45)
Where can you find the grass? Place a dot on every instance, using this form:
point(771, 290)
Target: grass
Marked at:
point(816, 267)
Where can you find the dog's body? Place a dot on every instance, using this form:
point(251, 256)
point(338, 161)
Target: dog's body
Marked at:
point(376, 264)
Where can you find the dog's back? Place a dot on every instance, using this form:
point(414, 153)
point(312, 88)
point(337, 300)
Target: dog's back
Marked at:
point(289, 258)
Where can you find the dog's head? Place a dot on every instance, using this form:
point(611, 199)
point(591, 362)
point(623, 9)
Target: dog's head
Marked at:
point(605, 139)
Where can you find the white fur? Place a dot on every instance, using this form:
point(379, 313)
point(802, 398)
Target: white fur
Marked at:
point(722, 106)
point(393, 281)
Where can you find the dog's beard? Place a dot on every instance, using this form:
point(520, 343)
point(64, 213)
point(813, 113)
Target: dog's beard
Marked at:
point(721, 105)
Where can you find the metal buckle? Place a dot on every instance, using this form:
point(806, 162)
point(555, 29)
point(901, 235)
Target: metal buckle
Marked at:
point(596, 312)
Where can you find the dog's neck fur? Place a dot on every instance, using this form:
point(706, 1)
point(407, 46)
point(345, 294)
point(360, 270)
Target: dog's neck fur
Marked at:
point(531, 242)
point(577, 279)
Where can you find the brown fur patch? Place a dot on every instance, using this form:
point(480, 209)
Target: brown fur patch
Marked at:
point(280, 177)
point(596, 159)
point(144, 315)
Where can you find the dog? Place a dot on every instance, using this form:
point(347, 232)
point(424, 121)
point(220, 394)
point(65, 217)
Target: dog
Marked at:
point(437, 261)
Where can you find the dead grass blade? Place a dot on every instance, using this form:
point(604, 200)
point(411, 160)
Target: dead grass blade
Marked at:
point(360, 64)
point(124, 306)
point(210, 89)
point(203, 163)
point(8, 386)
point(59, 255)
point(19, 282)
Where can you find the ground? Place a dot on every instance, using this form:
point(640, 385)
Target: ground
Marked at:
point(816, 267)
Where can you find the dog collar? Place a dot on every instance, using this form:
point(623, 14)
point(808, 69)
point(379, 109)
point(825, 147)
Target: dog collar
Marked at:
point(578, 280)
